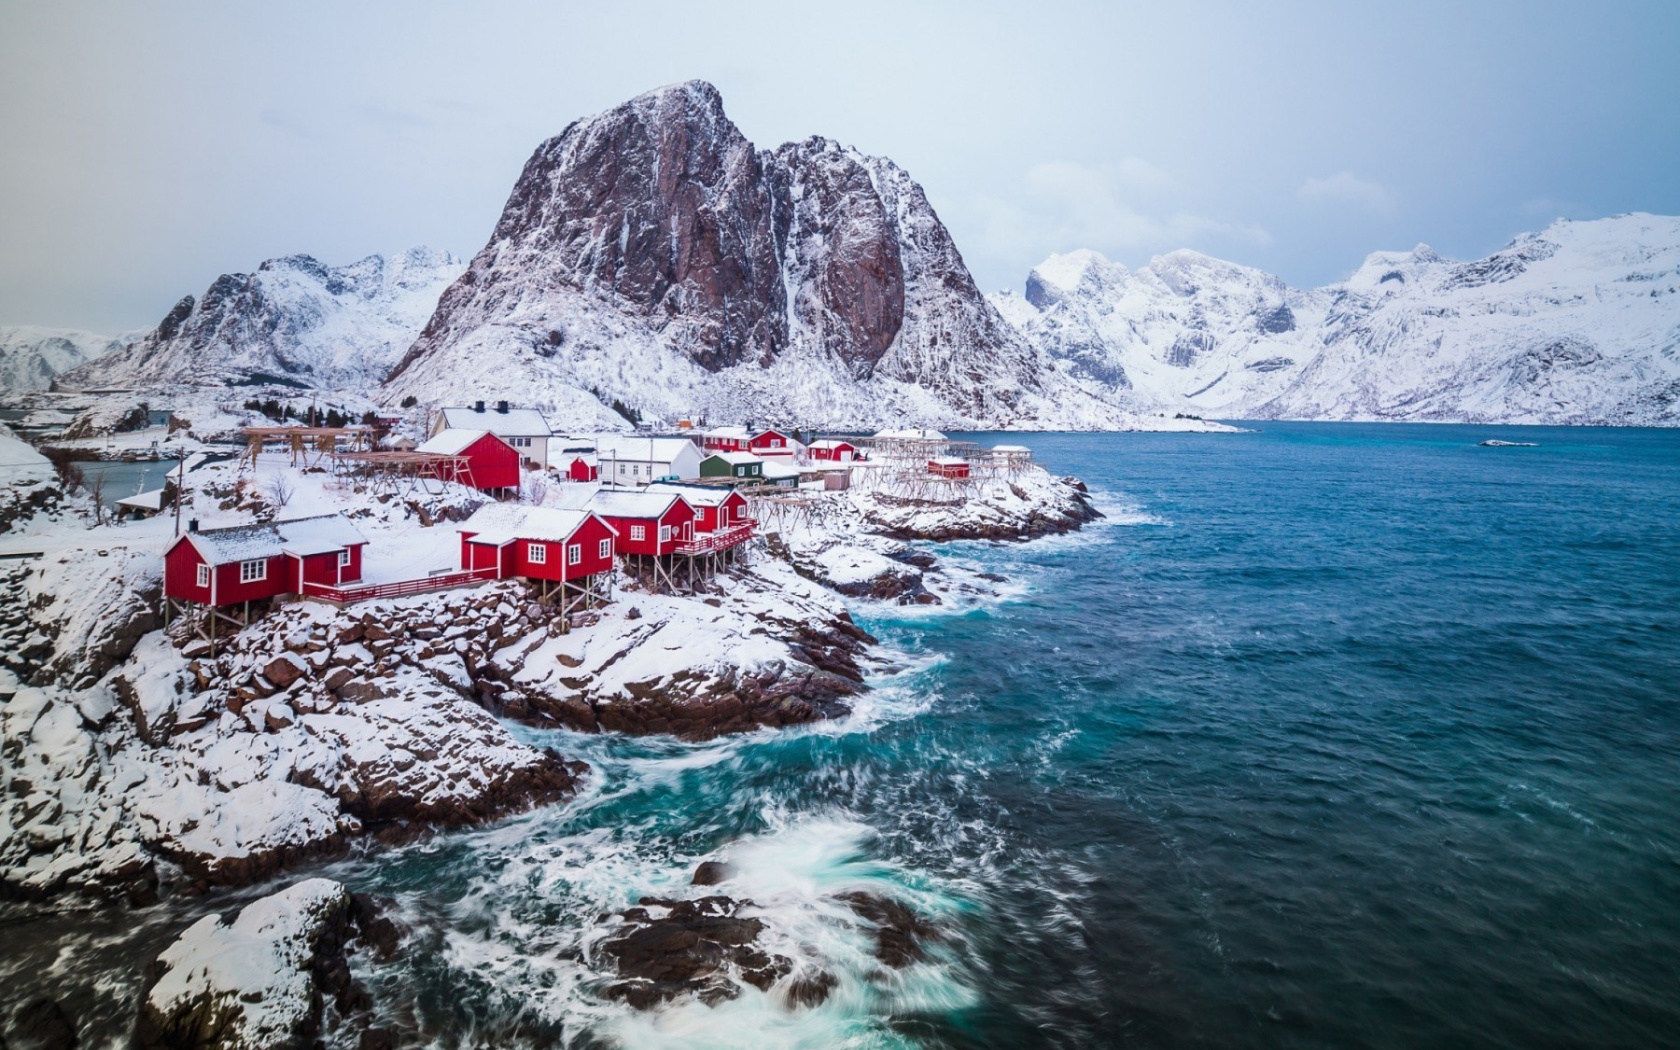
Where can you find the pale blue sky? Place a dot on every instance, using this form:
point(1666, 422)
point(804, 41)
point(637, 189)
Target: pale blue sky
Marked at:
point(149, 147)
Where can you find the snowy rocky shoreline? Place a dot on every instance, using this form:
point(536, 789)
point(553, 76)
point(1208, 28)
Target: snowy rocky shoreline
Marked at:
point(140, 764)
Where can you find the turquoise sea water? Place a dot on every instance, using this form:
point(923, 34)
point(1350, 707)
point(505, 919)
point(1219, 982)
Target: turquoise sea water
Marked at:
point(1329, 736)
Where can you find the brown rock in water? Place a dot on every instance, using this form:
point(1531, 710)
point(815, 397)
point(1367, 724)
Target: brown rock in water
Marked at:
point(711, 872)
point(40, 1024)
point(700, 947)
point(899, 932)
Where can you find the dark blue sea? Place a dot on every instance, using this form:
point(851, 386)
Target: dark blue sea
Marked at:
point(1327, 736)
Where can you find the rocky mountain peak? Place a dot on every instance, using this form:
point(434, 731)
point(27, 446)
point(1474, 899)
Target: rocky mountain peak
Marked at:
point(654, 238)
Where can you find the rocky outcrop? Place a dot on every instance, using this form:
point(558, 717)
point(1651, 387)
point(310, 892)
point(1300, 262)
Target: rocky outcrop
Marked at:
point(274, 976)
point(706, 948)
point(293, 322)
point(650, 255)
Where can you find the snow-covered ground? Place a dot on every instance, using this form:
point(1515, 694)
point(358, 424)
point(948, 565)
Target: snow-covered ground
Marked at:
point(144, 757)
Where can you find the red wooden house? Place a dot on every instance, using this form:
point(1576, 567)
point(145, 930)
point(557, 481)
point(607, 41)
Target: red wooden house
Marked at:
point(718, 509)
point(771, 443)
point(247, 563)
point(648, 523)
point(948, 467)
point(832, 451)
point(478, 458)
point(727, 439)
point(568, 552)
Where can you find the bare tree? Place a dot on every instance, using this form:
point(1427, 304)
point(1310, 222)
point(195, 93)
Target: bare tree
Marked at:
point(536, 487)
point(280, 492)
point(96, 490)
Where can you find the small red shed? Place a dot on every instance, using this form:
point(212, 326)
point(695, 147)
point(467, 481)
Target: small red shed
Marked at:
point(833, 451)
point(646, 522)
point(948, 467)
point(482, 459)
point(583, 468)
point(248, 563)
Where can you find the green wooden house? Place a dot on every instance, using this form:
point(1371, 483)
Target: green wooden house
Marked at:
point(742, 466)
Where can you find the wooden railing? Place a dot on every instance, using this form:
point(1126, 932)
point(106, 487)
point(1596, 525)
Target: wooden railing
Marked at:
point(401, 588)
point(721, 540)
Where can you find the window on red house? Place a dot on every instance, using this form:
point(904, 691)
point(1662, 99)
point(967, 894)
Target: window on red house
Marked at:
point(537, 553)
point(253, 571)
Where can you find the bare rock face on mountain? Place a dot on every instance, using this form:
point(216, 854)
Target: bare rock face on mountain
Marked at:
point(651, 254)
point(295, 322)
point(662, 203)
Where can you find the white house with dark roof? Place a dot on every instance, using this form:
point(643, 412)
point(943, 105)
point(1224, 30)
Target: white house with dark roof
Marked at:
point(523, 428)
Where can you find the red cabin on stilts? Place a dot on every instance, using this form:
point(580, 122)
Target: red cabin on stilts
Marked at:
point(224, 568)
point(567, 553)
point(482, 460)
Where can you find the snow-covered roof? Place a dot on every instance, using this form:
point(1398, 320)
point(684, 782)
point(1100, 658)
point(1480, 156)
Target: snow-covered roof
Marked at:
point(318, 535)
point(949, 461)
point(523, 422)
point(774, 468)
point(735, 458)
point(1010, 448)
point(151, 499)
point(566, 445)
point(501, 523)
point(699, 495)
point(451, 442)
point(643, 504)
point(831, 443)
point(642, 449)
point(738, 433)
point(300, 536)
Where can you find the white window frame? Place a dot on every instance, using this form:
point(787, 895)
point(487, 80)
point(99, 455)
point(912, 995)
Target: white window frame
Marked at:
point(344, 558)
point(574, 553)
point(638, 533)
point(253, 571)
point(664, 534)
point(606, 548)
point(203, 574)
point(536, 553)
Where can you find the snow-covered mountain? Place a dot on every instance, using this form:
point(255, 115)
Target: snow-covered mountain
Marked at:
point(30, 357)
point(294, 321)
point(650, 254)
point(1578, 324)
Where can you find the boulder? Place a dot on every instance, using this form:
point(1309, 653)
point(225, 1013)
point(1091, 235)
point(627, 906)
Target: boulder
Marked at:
point(258, 981)
point(703, 947)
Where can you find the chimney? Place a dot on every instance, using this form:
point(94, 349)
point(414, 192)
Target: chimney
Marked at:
point(192, 525)
point(501, 406)
point(478, 406)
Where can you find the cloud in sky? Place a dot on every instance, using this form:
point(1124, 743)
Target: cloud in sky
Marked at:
point(1346, 187)
point(1118, 209)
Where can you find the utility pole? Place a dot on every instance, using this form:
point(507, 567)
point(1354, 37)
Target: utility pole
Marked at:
point(180, 483)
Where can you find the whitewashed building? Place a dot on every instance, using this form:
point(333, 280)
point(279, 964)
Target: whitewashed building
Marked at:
point(627, 460)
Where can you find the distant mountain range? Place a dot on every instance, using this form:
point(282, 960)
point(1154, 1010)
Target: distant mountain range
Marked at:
point(652, 256)
point(294, 321)
point(1578, 324)
point(31, 357)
